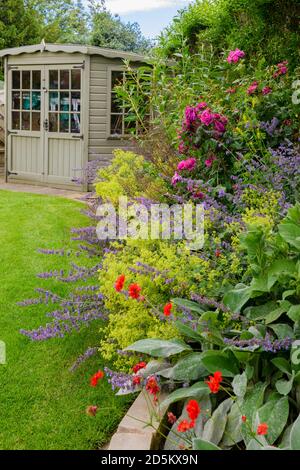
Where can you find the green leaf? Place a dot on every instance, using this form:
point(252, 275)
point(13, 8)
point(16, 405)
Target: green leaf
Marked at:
point(275, 414)
point(250, 404)
point(201, 444)
point(159, 347)
point(218, 361)
point(282, 330)
point(288, 293)
point(295, 435)
point(284, 386)
point(187, 331)
point(237, 298)
point(282, 364)
point(259, 312)
point(290, 232)
point(193, 306)
point(280, 267)
point(239, 384)
point(273, 316)
point(197, 390)
point(215, 426)
point(189, 368)
point(232, 433)
point(294, 313)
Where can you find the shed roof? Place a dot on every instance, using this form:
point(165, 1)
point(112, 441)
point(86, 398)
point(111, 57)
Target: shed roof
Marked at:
point(72, 48)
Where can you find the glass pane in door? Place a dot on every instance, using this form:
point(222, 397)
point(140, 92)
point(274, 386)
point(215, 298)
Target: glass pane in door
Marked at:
point(26, 97)
point(65, 102)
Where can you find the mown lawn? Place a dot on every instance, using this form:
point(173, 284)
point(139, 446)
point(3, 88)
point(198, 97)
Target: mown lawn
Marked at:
point(42, 404)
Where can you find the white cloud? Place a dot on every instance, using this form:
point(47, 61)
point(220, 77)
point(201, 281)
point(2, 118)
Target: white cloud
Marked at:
point(128, 6)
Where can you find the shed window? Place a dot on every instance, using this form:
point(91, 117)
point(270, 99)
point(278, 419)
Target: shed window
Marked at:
point(26, 100)
point(120, 125)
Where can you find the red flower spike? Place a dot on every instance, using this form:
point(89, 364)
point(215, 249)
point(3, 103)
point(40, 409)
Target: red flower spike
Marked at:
point(119, 284)
point(193, 409)
point(183, 426)
point(136, 380)
point(262, 429)
point(134, 291)
point(139, 366)
point(167, 309)
point(96, 377)
point(152, 386)
point(214, 382)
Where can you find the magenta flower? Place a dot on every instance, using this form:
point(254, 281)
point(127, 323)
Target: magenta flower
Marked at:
point(206, 117)
point(210, 161)
point(176, 178)
point(235, 56)
point(266, 90)
point(188, 164)
point(252, 88)
point(201, 106)
point(219, 127)
point(282, 69)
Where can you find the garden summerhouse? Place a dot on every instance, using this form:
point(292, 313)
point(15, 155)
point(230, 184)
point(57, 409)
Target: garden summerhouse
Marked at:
point(61, 111)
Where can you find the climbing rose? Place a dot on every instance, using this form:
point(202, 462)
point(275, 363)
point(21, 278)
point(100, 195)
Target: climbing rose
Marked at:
point(91, 410)
point(139, 366)
point(244, 418)
point(183, 426)
point(252, 88)
point(193, 409)
point(206, 117)
point(235, 56)
point(214, 382)
point(134, 291)
point(266, 90)
point(171, 418)
point(262, 429)
point(152, 386)
point(282, 69)
point(219, 127)
point(167, 309)
point(120, 283)
point(188, 164)
point(96, 377)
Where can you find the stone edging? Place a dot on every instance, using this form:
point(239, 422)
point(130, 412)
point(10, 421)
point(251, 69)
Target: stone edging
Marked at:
point(132, 434)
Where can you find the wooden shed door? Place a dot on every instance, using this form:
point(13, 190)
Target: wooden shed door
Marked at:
point(63, 140)
point(45, 142)
point(25, 116)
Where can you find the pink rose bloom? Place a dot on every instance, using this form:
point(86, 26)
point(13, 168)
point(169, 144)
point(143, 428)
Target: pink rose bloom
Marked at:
point(206, 117)
point(219, 127)
point(281, 69)
point(235, 56)
point(209, 162)
point(252, 88)
point(201, 105)
point(188, 164)
point(181, 165)
point(266, 90)
point(176, 178)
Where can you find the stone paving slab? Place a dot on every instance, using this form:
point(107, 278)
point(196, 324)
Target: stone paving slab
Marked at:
point(45, 190)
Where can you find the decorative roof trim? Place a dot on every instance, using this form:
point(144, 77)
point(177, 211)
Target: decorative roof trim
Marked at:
point(73, 48)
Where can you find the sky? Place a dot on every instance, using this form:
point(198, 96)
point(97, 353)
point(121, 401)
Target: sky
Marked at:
point(152, 15)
